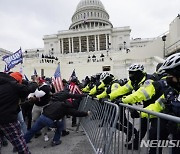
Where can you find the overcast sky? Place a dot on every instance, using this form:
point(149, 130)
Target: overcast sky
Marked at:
point(25, 22)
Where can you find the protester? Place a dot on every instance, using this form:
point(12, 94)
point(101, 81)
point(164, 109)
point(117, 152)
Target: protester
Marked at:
point(11, 91)
point(41, 96)
point(53, 113)
point(74, 89)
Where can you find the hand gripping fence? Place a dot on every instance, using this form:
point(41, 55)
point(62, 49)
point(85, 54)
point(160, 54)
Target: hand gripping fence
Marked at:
point(113, 129)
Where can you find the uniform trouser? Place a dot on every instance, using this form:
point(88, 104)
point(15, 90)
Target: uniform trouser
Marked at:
point(125, 124)
point(13, 133)
point(143, 128)
point(176, 136)
point(163, 133)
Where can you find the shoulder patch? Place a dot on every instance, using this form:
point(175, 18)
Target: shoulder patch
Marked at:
point(147, 82)
point(116, 85)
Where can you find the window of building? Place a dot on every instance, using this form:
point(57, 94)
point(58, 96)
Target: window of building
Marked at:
point(106, 68)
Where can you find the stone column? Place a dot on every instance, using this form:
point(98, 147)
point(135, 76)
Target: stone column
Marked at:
point(95, 43)
point(72, 46)
point(107, 44)
point(87, 43)
point(62, 46)
point(98, 43)
point(79, 44)
point(69, 45)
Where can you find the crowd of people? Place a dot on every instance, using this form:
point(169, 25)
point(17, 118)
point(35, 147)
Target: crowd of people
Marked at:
point(31, 108)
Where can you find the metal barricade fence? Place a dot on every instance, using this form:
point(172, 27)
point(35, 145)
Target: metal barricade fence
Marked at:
point(148, 135)
point(111, 130)
point(100, 125)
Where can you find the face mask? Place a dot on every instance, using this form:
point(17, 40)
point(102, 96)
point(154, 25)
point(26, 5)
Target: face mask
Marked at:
point(107, 80)
point(175, 85)
point(133, 78)
point(136, 76)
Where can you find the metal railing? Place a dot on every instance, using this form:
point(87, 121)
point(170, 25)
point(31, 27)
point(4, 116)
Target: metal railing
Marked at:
point(100, 125)
point(111, 129)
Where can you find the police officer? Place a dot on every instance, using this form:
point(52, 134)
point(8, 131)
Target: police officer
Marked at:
point(137, 77)
point(168, 103)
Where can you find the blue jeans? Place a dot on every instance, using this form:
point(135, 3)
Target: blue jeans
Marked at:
point(42, 122)
point(22, 122)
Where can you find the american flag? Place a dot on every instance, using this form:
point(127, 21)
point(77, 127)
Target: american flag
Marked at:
point(73, 87)
point(57, 81)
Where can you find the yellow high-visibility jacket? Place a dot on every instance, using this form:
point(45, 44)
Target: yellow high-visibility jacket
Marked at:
point(158, 106)
point(113, 87)
point(95, 89)
point(127, 88)
point(86, 89)
point(144, 93)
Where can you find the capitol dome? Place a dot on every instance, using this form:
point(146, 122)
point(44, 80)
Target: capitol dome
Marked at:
point(90, 14)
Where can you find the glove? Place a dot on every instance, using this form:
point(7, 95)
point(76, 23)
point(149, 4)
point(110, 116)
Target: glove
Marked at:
point(134, 114)
point(118, 101)
point(102, 100)
point(92, 97)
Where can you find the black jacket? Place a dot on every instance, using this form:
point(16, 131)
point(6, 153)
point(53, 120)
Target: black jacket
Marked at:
point(45, 99)
point(58, 107)
point(10, 94)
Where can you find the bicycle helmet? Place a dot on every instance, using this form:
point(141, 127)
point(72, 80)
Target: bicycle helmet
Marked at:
point(136, 67)
point(172, 65)
point(104, 75)
point(171, 62)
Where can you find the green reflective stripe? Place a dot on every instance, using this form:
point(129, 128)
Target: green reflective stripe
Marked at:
point(161, 101)
point(145, 94)
point(128, 86)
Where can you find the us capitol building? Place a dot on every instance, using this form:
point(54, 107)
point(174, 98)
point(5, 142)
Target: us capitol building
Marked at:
point(93, 45)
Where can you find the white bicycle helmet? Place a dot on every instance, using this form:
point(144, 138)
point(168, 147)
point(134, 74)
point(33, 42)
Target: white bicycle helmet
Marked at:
point(104, 75)
point(136, 67)
point(171, 62)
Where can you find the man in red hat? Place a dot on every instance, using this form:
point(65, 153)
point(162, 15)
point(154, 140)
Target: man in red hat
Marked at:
point(11, 91)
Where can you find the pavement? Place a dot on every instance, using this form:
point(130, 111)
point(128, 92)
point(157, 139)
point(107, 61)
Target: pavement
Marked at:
point(74, 143)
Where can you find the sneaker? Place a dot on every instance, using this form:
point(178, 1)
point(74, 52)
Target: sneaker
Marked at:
point(54, 143)
point(46, 138)
point(64, 133)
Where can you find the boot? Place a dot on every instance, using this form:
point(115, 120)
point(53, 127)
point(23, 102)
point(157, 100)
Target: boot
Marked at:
point(64, 133)
point(54, 143)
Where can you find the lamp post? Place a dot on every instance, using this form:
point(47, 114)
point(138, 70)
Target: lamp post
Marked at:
point(164, 40)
